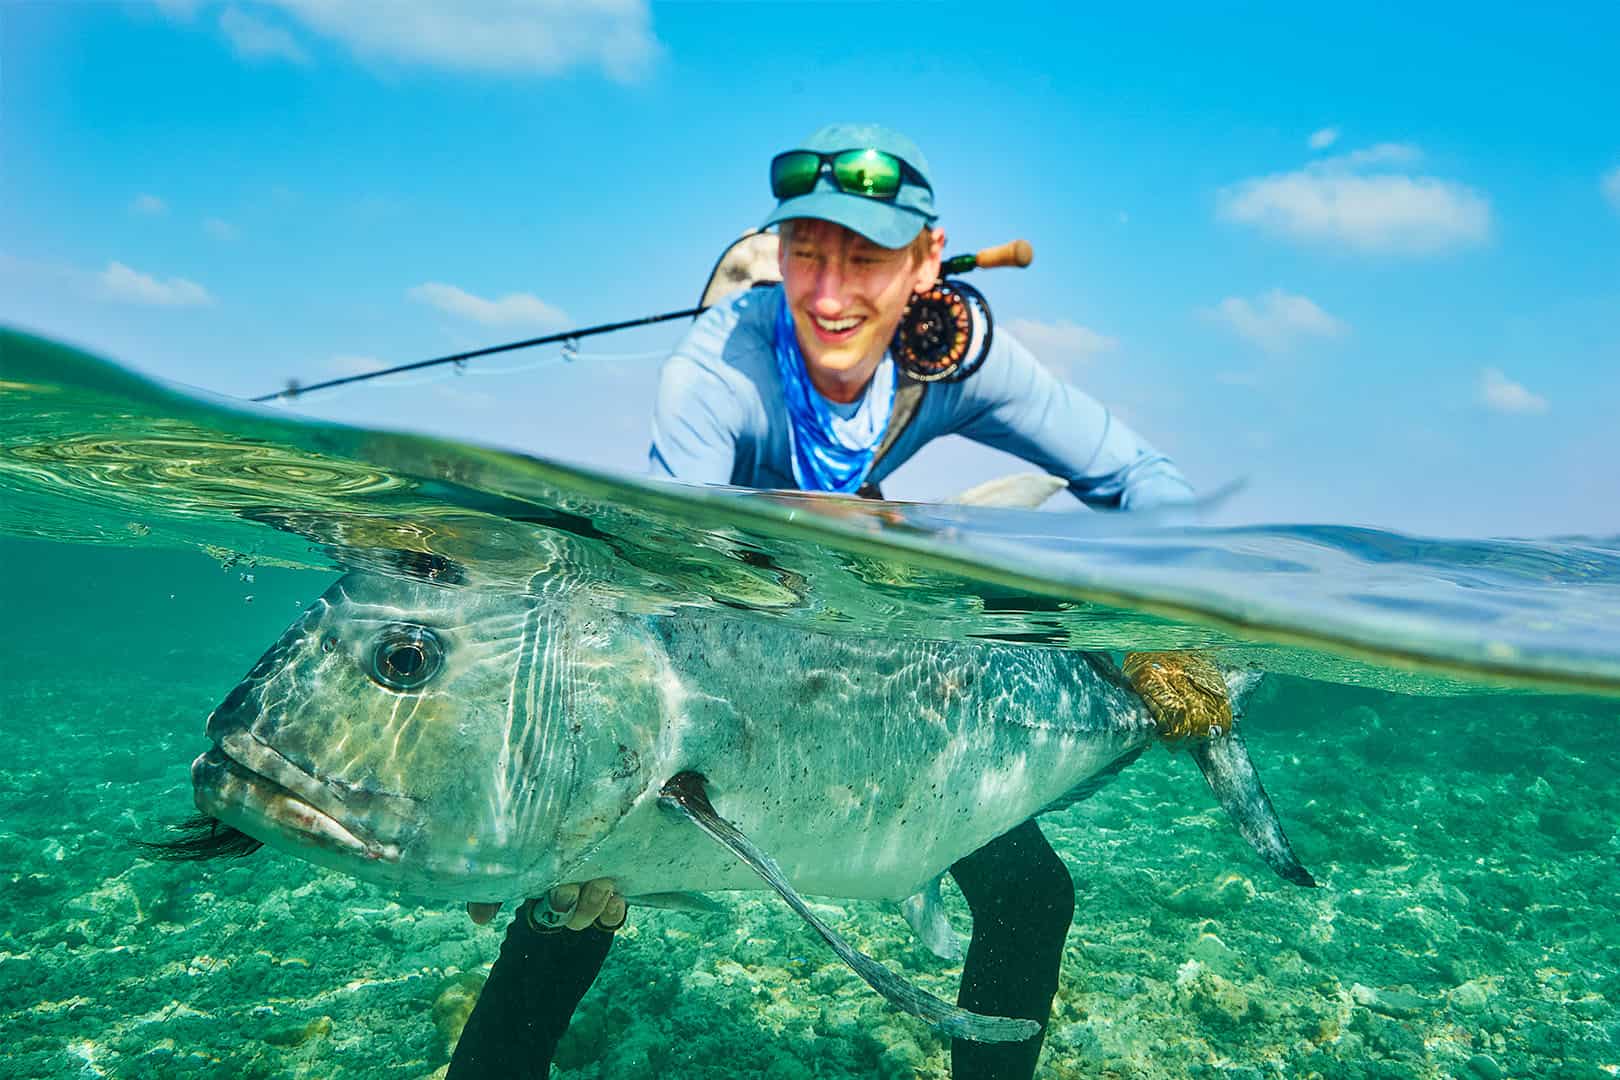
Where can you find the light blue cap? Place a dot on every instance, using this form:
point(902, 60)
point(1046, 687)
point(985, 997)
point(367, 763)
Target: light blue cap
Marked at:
point(890, 223)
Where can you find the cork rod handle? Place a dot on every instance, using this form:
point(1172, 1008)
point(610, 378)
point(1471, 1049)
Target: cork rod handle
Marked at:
point(1012, 253)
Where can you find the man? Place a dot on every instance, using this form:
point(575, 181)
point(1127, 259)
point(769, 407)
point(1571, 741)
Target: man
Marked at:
point(793, 387)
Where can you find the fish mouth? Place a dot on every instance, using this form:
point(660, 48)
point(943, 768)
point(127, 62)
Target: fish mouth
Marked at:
point(250, 786)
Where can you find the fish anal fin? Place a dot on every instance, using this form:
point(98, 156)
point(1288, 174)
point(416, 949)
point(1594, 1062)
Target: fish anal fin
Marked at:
point(1095, 783)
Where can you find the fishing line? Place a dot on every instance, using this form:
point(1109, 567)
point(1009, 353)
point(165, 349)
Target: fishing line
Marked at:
point(293, 389)
point(553, 360)
point(565, 358)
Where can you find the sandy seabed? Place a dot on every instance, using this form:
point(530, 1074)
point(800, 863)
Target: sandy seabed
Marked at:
point(1468, 925)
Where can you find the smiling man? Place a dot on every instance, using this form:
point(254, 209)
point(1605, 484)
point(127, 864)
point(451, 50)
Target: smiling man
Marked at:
point(846, 296)
point(794, 386)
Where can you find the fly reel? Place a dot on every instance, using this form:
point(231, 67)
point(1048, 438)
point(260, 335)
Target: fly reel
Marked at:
point(945, 333)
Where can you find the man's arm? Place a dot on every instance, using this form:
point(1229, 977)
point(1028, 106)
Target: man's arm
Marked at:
point(1015, 404)
point(694, 425)
point(702, 406)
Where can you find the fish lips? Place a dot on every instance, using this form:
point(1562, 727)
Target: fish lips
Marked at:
point(250, 786)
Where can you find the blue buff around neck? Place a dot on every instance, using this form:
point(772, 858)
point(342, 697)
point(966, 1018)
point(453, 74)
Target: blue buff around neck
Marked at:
point(830, 452)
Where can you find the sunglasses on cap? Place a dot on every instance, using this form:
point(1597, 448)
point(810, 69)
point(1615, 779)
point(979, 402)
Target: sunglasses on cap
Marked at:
point(875, 174)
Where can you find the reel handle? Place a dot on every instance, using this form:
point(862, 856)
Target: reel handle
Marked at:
point(1012, 253)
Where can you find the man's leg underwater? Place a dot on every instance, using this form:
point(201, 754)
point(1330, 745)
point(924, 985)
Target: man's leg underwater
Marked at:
point(1023, 901)
point(536, 983)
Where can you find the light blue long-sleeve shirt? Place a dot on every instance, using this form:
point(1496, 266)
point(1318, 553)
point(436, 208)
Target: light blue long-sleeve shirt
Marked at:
point(720, 417)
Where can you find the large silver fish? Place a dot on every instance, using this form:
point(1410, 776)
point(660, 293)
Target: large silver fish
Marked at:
point(473, 745)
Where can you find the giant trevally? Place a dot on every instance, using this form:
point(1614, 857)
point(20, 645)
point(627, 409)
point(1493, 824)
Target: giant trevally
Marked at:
point(478, 745)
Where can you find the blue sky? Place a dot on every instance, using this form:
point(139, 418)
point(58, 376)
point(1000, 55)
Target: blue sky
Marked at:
point(1368, 263)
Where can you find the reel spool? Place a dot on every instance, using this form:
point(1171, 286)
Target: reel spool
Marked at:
point(945, 334)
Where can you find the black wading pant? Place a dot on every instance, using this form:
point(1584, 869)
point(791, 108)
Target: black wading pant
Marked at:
point(1022, 900)
point(527, 1002)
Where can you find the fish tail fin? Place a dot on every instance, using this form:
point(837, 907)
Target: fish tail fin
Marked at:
point(1196, 705)
point(1224, 760)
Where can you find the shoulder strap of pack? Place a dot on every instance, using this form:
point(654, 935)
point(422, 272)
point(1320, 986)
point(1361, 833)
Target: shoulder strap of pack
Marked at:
point(907, 397)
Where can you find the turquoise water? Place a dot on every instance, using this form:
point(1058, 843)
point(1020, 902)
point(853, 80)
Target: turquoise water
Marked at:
point(1439, 736)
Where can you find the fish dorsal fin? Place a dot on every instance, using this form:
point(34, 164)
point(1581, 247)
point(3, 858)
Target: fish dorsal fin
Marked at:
point(925, 911)
point(1020, 491)
point(1093, 784)
point(684, 793)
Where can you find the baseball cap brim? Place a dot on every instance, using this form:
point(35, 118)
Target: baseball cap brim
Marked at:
point(880, 221)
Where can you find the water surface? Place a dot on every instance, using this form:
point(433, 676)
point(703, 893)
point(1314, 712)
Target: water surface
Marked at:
point(1439, 735)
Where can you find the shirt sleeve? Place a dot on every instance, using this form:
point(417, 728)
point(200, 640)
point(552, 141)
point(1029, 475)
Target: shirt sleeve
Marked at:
point(694, 426)
point(1015, 404)
point(698, 417)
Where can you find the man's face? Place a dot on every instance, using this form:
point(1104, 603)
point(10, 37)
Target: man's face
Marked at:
point(847, 295)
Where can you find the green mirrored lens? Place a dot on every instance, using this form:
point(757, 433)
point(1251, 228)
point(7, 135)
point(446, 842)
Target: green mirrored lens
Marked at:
point(794, 173)
point(868, 172)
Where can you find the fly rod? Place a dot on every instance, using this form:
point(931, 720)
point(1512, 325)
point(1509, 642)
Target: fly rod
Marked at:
point(1013, 253)
point(293, 389)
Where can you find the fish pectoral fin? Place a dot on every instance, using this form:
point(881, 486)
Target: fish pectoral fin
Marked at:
point(1226, 765)
point(925, 911)
point(684, 793)
point(694, 902)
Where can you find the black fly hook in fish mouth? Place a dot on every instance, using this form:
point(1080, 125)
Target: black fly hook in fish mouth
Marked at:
point(200, 838)
point(236, 785)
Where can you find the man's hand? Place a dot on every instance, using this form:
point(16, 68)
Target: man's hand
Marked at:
point(1184, 691)
point(571, 907)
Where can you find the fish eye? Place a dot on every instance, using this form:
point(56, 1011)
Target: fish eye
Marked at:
point(406, 658)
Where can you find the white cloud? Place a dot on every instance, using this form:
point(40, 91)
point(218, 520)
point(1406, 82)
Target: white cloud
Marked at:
point(1360, 201)
point(1276, 321)
point(219, 229)
point(1502, 394)
point(513, 309)
point(1062, 344)
point(254, 39)
point(150, 205)
point(538, 37)
point(1323, 138)
point(1611, 186)
point(1388, 153)
point(121, 282)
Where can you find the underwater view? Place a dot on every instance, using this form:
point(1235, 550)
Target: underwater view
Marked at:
point(1435, 722)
